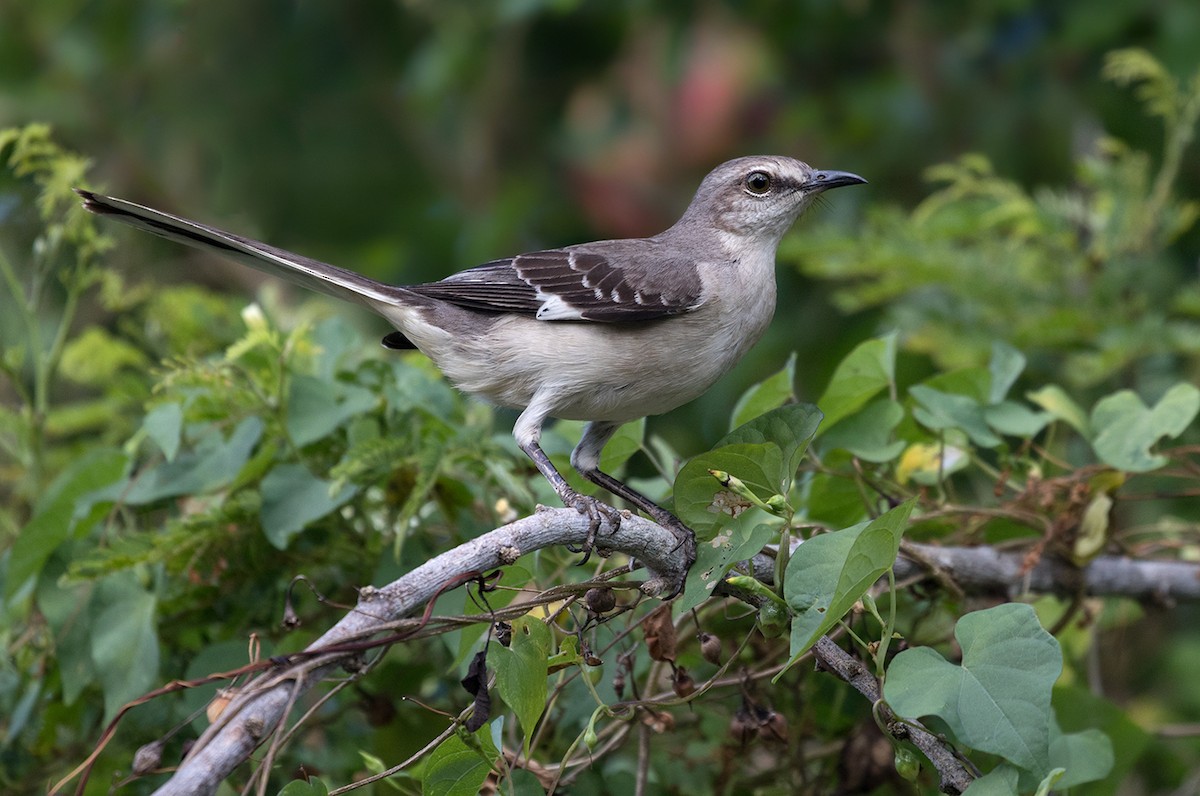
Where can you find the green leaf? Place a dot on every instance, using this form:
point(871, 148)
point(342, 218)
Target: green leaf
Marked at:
point(770, 393)
point(65, 510)
point(1126, 429)
point(299, 787)
point(1047, 782)
point(1077, 707)
point(94, 357)
point(164, 426)
point(124, 640)
point(866, 370)
point(1000, 781)
point(568, 655)
point(377, 765)
point(214, 463)
point(315, 407)
point(623, 445)
point(1158, 90)
point(1085, 756)
point(736, 542)
point(1054, 399)
point(62, 607)
point(942, 410)
point(998, 700)
point(335, 338)
point(1014, 419)
point(833, 500)
point(455, 769)
point(829, 573)
point(867, 434)
point(705, 505)
point(521, 672)
point(292, 497)
point(1005, 366)
point(974, 383)
point(791, 428)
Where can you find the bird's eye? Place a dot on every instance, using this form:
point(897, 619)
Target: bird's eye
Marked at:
point(758, 182)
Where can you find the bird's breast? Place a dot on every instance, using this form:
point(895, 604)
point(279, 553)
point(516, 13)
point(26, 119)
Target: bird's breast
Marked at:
point(610, 371)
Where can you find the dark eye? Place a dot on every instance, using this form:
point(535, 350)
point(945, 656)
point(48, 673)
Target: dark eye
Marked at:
point(758, 182)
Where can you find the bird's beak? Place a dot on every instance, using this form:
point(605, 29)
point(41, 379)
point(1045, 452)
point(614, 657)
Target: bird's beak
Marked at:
point(824, 180)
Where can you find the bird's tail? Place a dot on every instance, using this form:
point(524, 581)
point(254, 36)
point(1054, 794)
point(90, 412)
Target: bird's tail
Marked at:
point(309, 273)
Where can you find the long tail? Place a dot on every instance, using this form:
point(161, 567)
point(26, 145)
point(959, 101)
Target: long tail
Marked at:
point(309, 273)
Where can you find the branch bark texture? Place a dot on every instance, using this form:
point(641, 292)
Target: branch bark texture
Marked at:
point(264, 703)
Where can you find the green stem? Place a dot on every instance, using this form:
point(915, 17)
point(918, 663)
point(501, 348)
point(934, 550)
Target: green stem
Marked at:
point(782, 556)
point(1178, 136)
point(889, 628)
point(31, 455)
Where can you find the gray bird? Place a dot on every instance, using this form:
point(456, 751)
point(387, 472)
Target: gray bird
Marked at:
point(606, 332)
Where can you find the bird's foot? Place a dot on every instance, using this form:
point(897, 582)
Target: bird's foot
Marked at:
point(685, 540)
point(598, 513)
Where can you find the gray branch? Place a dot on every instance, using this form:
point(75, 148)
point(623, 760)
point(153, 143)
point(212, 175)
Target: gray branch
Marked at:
point(263, 705)
point(984, 569)
point(954, 775)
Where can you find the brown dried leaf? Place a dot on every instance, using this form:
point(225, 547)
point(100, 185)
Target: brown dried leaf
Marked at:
point(659, 632)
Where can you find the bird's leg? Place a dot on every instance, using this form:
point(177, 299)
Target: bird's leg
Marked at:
point(527, 431)
point(586, 459)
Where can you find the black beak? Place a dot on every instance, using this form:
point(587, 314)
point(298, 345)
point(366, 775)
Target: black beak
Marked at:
point(824, 180)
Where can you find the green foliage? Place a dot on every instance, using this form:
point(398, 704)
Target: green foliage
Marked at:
point(1125, 429)
point(460, 764)
point(829, 573)
point(998, 699)
point(763, 454)
point(1082, 277)
point(179, 458)
point(521, 672)
point(302, 787)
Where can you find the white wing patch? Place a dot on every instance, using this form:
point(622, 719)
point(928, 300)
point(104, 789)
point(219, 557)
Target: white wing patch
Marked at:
point(556, 308)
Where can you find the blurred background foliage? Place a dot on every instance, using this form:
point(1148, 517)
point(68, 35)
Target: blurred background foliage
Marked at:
point(410, 139)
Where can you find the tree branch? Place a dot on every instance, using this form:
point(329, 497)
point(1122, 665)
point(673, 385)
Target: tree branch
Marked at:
point(262, 705)
point(983, 569)
point(954, 775)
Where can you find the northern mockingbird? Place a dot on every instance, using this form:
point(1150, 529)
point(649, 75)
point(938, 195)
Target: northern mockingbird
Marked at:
point(606, 332)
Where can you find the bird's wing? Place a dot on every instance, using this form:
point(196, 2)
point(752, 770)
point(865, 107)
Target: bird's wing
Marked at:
point(610, 281)
point(313, 274)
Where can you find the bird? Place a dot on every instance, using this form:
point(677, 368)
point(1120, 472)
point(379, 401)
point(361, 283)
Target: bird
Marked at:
point(605, 332)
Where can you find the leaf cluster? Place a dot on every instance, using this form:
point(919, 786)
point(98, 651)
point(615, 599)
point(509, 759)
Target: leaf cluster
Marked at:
point(180, 459)
point(1082, 278)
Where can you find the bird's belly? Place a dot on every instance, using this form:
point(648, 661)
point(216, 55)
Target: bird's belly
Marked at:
point(613, 372)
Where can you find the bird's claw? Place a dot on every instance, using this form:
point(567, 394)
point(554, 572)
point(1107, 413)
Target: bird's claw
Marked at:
point(597, 512)
point(685, 540)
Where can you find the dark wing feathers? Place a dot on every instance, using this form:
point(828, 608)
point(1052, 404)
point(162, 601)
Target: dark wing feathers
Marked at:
point(609, 282)
point(493, 286)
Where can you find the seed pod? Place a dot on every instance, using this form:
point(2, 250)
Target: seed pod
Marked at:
point(908, 764)
point(742, 727)
point(683, 683)
point(710, 647)
point(600, 600)
point(147, 758)
point(775, 728)
point(773, 619)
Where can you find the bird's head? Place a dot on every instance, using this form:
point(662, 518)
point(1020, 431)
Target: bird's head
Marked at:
point(760, 196)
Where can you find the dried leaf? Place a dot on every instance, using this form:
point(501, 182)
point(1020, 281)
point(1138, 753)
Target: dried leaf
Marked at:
point(659, 631)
